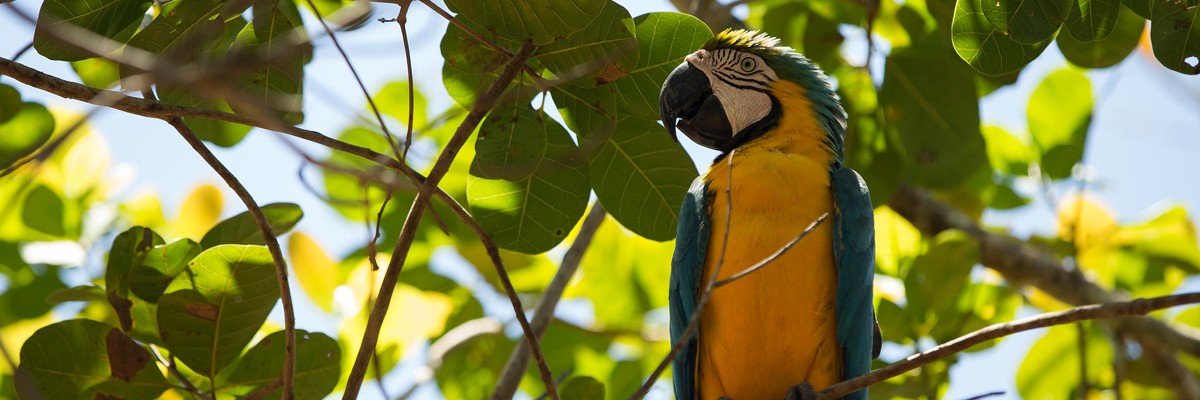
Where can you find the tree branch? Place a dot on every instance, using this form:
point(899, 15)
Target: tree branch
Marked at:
point(371, 336)
point(518, 362)
point(281, 273)
point(1024, 264)
point(1094, 311)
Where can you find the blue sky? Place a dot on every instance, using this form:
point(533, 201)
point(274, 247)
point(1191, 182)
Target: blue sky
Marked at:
point(1142, 151)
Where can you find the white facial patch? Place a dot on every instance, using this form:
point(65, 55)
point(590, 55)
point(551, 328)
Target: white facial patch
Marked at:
point(740, 80)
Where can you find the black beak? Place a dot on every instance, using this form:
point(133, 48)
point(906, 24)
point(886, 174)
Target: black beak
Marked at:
point(687, 102)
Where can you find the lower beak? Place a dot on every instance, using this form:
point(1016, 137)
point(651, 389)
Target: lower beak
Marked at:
point(687, 102)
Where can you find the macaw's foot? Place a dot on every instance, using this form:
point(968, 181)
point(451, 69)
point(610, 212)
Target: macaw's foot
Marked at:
point(803, 391)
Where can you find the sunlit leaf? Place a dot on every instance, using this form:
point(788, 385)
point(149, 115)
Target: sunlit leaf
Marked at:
point(1106, 52)
point(392, 101)
point(470, 371)
point(208, 317)
point(97, 72)
point(27, 294)
point(641, 176)
point(604, 51)
point(1007, 153)
point(316, 272)
point(45, 211)
point(1085, 221)
point(318, 364)
point(199, 211)
point(185, 31)
point(897, 242)
point(1051, 369)
point(128, 252)
point(160, 265)
point(583, 388)
point(242, 229)
point(664, 38)
point(10, 102)
point(986, 48)
point(115, 20)
point(512, 142)
point(931, 101)
point(945, 266)
point(542, 21)
point(1060, 112)
point(534, 214)
point(24, 132)
point(81, 358)
point(619, 274)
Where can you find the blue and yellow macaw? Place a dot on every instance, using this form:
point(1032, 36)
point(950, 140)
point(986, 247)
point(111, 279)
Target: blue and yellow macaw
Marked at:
point(807, 317)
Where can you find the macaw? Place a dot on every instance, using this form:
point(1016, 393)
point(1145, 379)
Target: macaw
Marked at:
point(807, 317)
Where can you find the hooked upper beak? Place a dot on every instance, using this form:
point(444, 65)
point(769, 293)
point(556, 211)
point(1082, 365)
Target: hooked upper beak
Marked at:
point(687, 102)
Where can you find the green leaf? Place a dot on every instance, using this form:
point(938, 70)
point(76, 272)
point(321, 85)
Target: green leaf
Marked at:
point(1007, 153)
point(664, 38)
point(1109, 51)
point(278, 82)
point(1175, 33)
point(984, 47)
point(318, 364)
point(24, 132)
point(392, 101)
point(80, 358)
point(1051, 368)
point(97, 72)
point(583, 388)
point(114, 20)
point(471, 66)
point(161, 264)
point(45, 211)
point(10, 103)
point(26, 297)
point(534, 214)
point(932, 103)
point(945, 266)
point(186, 31)
point(1142, 8)
point(220, 133)
point(85, 293)
point(604, 51)
point(1026, 21)
point(1060, 110)
point(512, 142)
point(641, 176)
point(346, 190)
point(1090, 20)
point(208, 317)
point(542, 21)
point(129, 251)
point(619, 276)
point(469, 371)
point(241, 228)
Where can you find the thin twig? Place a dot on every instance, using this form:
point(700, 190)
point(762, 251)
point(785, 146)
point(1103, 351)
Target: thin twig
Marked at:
point(402, 20)
point(694, 322)
point(778, 253)
point(174, 371)
point(1088, 312)
point(264, 391)
point(281, 273)
point(371, 335)
point(518, 362)
point(366, 93)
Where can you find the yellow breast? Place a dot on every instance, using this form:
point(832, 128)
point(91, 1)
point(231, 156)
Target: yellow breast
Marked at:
point(776, 327)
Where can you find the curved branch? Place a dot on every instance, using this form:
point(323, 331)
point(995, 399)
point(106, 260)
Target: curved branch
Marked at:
point(281, 273)
point(1095, 311)
point(514, 369)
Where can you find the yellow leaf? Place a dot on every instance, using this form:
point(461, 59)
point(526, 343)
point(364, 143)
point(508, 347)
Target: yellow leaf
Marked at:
point(146, 210)
point(1085, 221)
point(199, 212)
point(318, 274)
point(896, 241)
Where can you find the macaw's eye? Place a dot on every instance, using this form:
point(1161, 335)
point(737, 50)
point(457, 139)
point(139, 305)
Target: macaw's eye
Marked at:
point(748, 64)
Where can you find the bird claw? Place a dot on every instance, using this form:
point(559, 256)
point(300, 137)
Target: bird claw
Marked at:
point(803, 391)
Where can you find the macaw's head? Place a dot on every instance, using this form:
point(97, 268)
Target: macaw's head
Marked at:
point(739, 85)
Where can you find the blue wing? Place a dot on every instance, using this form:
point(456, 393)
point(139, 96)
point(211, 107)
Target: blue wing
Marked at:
point(854, 250)
point(691, 245)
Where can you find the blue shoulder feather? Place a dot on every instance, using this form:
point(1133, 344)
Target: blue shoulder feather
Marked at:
point(691, 246)
point(854, 250)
